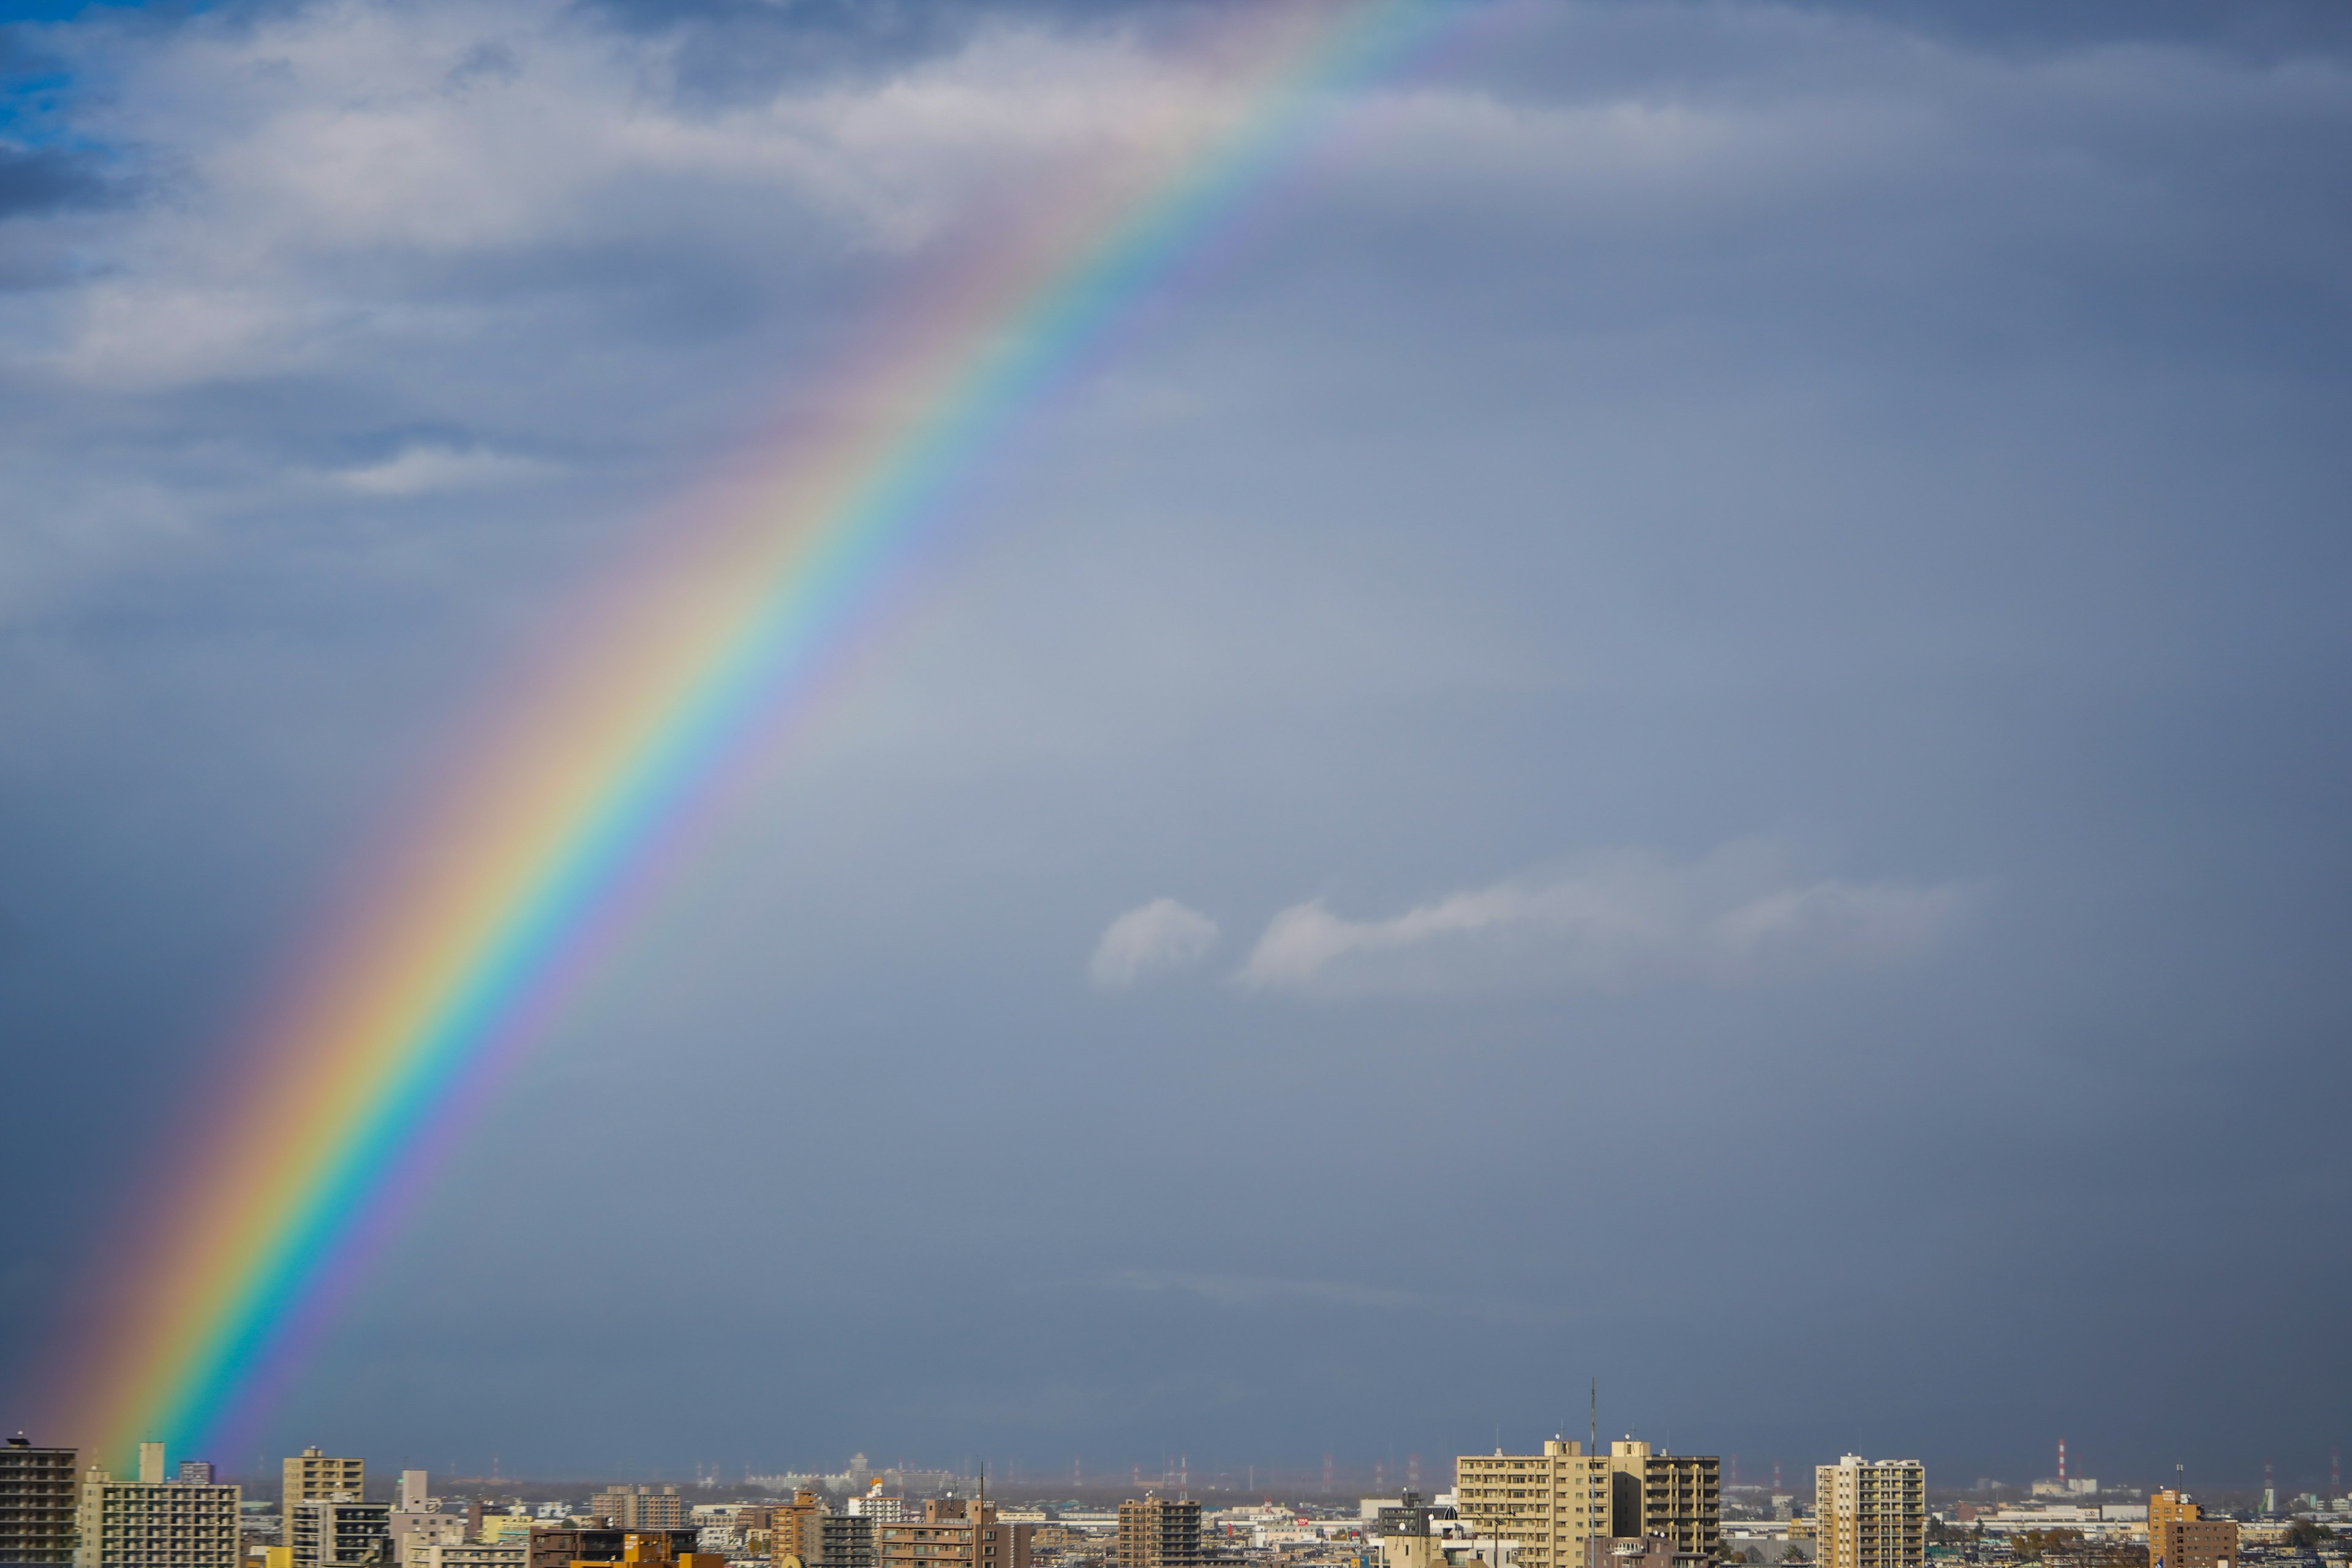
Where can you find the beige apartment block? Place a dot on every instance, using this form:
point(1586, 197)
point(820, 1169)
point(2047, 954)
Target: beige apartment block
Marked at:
point(641, 1508)
point(954, 1532)
point(796, 1530)
point(1553, 1503)
point(313, 1475)
point(155, 1524)
point(1159, 1532)
point(1871, 1514)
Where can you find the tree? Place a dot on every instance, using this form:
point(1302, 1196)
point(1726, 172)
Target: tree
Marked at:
point(2306, 1533)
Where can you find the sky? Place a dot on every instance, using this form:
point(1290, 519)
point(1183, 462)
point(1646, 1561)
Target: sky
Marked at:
point(1678, 715)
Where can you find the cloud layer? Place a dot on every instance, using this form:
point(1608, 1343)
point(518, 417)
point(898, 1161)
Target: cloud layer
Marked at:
point(1610, 922)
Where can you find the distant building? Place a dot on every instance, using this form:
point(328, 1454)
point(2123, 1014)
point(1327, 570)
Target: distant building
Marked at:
point(338, 1533)
point(1553, 1502)
point(881, 1509)
point(1411, 1514)
point(640, 1508)
point(154, 1523)
point(194, 1473)
point(312, 1474)
point(1871, 1514)
point(37, 1521)
point(954, 1532)
point(508, 1553)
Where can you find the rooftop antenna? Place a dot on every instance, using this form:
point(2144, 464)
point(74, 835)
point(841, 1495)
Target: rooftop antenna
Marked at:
point(1596, 1416)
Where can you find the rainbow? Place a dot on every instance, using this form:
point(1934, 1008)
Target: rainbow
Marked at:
point(586, 782)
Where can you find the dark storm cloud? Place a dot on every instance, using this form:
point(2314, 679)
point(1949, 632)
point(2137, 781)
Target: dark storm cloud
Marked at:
point(1745, 594)
point(40, 180)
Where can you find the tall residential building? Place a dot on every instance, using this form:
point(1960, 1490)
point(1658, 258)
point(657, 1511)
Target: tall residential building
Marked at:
point(1553, 1503)
point(1871, 1514)
point(1679, 1496)
point(2180, 1536)
point(312, 1474)
point(954, 1532)
point(1159, 1532)
point(796, 1529)
point(337, 1533)
point(413, 1494)
point(154, 1523)
point(37, 1502)
point(641, 1508)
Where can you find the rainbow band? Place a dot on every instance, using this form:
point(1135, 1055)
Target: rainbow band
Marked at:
point(510, 890)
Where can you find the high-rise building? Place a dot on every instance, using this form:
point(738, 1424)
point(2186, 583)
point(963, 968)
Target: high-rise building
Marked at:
point(1159, 1532)
point(37, 1502)
point(414, 1492)
point(312, 1474)
point(641, 1508)
point(2180, 1536)
point(194, 1473)
point(1675, 1497)
point(796, 1530)
point(336, 1532)
point(1553, 1503)
point(154, 1523)
point(1871, 1514)
point(954, 1532)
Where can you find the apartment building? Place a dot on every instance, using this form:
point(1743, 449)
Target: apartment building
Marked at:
point(1871, 1513)
point(154, 1523)
point(1159, 1532)
point(954, 1532)
point(1672, 1496)
point(37, 1502)
point(338, 1533)
point(641, 1508)
point(312, 1474)
point(1554, 1502)
point(2180, 1536)
point(847, 1540)
point(796, 1529)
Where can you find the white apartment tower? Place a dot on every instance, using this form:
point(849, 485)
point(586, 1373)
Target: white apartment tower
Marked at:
point(1872, 1513)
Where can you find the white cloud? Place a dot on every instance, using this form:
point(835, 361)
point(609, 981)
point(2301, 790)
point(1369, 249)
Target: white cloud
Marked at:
point(417, 470)
point(1160, 937)
point(1611, 922)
